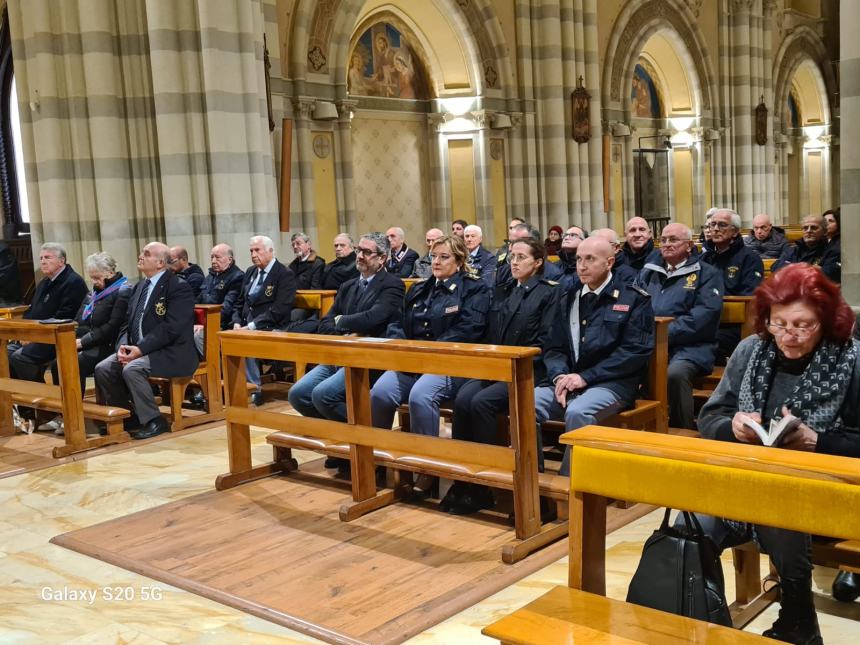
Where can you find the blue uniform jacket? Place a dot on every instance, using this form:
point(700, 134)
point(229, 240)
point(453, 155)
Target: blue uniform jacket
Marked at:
point(616, 341)
point(551, 271)
point(485, 265)
point(456, 311)
point(222, 289)
point(60, 298)
point(693, 296)
point(740, 266)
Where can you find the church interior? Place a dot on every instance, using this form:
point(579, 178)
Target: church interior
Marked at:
point(139, 137)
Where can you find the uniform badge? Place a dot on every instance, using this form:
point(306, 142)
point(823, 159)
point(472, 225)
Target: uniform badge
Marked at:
point(452, 309)
point(691, 281)
point(269, 291)
point(45, 299)
point(220, 286)
point(732, 272)
point(615, 293)
point(620, 307)
point(160, 308)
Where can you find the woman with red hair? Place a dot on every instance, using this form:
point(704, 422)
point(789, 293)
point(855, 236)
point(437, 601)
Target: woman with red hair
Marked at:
point(803, 346)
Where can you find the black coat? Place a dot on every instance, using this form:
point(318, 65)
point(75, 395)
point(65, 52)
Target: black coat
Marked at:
point(827, 255)
point(616, 342)
point(635, 259)
point(222, 289)
point(167, 324)
point(484, 265)
point(366, 311)
point(101, 329)
point(60, 298)
point(551, 271)
point(401, 263)
point(193, 275)
point(308, 274)
point(524, 316)
point(741, 267)
point(339, 271)
point(771, 247)
point(272, 306)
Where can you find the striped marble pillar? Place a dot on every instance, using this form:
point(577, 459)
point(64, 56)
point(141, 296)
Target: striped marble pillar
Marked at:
point(742, 107)
point(849, 88)
point(345, 167)
point(304, 108)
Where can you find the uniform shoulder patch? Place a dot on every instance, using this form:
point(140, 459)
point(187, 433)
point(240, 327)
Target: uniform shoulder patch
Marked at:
point(472, 276)
point(639, 289)
point(552, 283)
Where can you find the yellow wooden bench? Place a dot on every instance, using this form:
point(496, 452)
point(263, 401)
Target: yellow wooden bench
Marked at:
point(690, 474)
point(11, 313)
point(65, 397)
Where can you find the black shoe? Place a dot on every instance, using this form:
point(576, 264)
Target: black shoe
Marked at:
point(453, 496)
point(424, 486)
point(476, 498)
point(846, 586)
point(797, 622)
point(153, 428)
point(130, 424)
point(198, 401)
point(332, 462)
point(257, 398)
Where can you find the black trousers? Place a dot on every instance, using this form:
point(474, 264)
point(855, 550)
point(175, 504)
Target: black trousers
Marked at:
point(475, 409)
point(87, 361)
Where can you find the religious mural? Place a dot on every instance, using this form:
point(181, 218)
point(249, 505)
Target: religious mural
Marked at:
point(644, 98)
point(384, 64)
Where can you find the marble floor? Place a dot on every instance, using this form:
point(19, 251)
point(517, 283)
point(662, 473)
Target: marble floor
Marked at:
point(51, 595)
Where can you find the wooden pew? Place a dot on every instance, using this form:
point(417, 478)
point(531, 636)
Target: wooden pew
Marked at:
point(318, 301)
point(737, 310)
point(11, 313)
point(65, 398)
point(686, 473)
point(410, 282)
point(768, 267)
point(514, 468)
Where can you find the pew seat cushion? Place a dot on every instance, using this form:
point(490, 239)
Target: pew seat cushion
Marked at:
point(565, 615)
point(91, 410)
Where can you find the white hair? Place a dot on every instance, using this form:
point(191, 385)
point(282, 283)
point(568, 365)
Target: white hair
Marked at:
point(473, 228)
point(265, 241)
point(735, 218)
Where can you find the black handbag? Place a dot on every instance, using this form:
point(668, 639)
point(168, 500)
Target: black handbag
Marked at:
point(680, 572)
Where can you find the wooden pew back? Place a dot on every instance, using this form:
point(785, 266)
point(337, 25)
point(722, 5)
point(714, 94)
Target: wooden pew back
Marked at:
point(12, 313)
point(739, 310)
point(318, 300)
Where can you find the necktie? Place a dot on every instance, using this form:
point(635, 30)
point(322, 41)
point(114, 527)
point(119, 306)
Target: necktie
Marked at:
point(136, 322)
point(259, 283)
point(362, 283)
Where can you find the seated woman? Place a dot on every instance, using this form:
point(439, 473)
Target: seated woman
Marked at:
point(803, 361)
point(102, 314)
point(451, 306)
point(521, 314)
point(552, 243)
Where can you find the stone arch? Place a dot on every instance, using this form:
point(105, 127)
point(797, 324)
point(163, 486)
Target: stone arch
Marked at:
point(637, 22)
point(802, 45)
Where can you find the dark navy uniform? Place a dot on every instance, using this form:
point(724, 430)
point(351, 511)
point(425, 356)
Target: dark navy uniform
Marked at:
point(454, 311)
point(484, 264)
point(607, 339)
point(519, 316)
point(358, 309)
point(693, 296)
point(551, 270)
point(825, 255)
point(623, 269)
point(339, 271)
point(268, 307)
point(222, 289)
point(193, 276)
point(402, 262)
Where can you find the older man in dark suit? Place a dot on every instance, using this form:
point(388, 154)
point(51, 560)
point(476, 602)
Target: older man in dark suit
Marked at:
point(266, 300)
point(157, 340)
point(402, 259)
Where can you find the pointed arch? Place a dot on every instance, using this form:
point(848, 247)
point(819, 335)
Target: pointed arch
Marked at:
point(800, 46)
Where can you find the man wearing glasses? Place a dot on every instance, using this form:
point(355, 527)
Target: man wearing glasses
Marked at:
point(767, 240)
point(363, 305)
point(692, 293)
point(740, 266)
point(570, 241)
point(813, 249)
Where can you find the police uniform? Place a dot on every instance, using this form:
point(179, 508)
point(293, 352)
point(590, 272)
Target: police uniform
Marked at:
point(161, 324)
point(693, 295)
point(520, 315)
point(365, 309)
point(484, 264)
point(551, 270)
point(401, 262)
point(454, 310)
point(607, 338)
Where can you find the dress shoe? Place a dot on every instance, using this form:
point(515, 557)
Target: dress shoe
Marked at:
point(153, 428)
point(130, 424)
point(332, 462)
point(257, 398)
point(452, 497)
point(198, 401)
point(424, 486)
point(846, 586)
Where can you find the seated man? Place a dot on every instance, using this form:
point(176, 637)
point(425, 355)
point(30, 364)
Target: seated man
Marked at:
point(221, 286)
point(402, 259)
point(638, 243)
point(621, 268)
point(265, 300)
point(741, 268)
point(58, 295)
point(191, 273)
point(306, 266)
point(480, 259)
point(692, 293)
point(598, 352)
point(422, 268)
point(458, 227)
point(551, 270)
point(813, 249)
point(342, 269)
point(570, 241)
point(767, 240)
point(157, 340)
point(365, 306)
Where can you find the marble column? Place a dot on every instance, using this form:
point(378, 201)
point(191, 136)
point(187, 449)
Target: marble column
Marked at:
point(345, 173)
point(304, 107)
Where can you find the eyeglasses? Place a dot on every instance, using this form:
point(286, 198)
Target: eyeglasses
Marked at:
point(719, 225)
point(671, 241)
point(800, 332)
point(572, 235)
point(366, 252)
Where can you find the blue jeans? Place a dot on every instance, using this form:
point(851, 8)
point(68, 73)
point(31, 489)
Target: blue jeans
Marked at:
point(252, 372)
point(321, 393)
point(423, 391)
point(589, 406)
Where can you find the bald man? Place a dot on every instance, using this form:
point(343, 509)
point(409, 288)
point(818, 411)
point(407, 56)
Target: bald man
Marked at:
point(767, 240)
point(188, 271)
point(638, 244)
point(223, 283)
point(624, 270)
point(813, 249)
point(598, 352)
point(156, 340)
point(422, 268)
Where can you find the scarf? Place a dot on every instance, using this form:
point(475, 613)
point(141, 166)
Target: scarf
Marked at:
point(820, 392)
point(104, 293)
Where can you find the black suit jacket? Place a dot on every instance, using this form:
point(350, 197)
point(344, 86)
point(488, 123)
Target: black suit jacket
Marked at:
point(107, 318)
point(167, 324)
point(402, 264)
point(367, 312)
point(60, 298)
point(337, 272)
point(272, 306)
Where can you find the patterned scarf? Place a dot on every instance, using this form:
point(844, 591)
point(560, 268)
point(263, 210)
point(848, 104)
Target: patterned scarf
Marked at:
point(104, 293)
point(820, 392)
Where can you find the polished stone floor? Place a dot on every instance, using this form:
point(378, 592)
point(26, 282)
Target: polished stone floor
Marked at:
point(37, 579)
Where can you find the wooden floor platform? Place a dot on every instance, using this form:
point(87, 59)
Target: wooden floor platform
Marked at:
point(276, 549)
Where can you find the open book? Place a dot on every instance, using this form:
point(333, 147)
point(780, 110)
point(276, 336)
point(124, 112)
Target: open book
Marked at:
point(777, 430)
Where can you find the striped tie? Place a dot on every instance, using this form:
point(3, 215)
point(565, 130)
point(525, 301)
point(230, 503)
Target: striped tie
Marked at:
point(136, 329)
